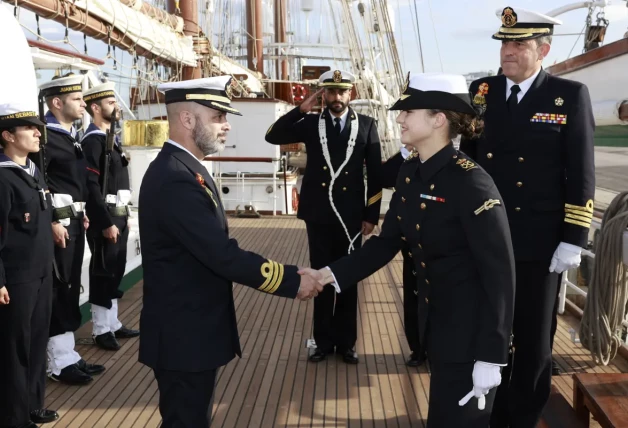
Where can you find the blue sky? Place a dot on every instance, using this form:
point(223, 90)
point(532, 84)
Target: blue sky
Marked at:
point(461, 31)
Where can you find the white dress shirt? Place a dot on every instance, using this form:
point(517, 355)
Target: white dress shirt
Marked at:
point(524, 86)
point(343, 119)
point(183, 148)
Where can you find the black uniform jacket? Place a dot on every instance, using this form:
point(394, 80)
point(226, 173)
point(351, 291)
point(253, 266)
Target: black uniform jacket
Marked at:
point(452, 217)
point(390, 170)
point(541, 160)
point(188, 321)
point(26, 245)
point(93, 144)
point(65, 163)
point(348, 190)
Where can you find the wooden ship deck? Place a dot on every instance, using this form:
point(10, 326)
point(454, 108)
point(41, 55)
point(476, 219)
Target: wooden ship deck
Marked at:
point(273, 385)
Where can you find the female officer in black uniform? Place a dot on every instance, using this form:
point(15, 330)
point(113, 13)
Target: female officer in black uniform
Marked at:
point(451, 216)
point(26, 249)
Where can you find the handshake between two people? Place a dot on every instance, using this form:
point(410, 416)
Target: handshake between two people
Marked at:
point(313, 281)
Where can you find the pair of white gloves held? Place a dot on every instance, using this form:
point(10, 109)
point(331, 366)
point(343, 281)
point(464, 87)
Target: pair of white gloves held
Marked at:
point(486, 376)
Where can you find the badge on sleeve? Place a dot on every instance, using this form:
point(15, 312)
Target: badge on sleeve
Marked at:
point(487, 205)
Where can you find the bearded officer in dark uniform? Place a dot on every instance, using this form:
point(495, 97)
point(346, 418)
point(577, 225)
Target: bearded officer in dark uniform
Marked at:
point(65, 175)
point(538, 147)
point(339, 142)
point(108, 233)
point(390, 170)
point(188, 320)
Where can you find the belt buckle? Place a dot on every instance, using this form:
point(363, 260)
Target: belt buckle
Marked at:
point(73, 211)
point(128, 210)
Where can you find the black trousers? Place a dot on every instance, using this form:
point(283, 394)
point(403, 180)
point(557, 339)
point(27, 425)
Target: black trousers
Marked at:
point(335, 315)
point(527, 379)
point(410, 305)
point(66, 282)
point(185, 398)
point(449, 383)
point(107, 265)
point(24, 325)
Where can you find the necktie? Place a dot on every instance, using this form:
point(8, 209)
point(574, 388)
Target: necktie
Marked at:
point(337, 125)
point(512, 99)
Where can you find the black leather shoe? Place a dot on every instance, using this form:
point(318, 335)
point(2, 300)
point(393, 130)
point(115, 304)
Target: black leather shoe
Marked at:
point(556, 371)
point(72, 376)
point(90, 369)
point(350, 356)
point(44, 416)
point(318, 355)
point(416, 360)
point(107, 341)
point(126, 333)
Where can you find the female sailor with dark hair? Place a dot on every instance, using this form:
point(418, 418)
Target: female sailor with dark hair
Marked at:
point(25, 271)
point(447, 210)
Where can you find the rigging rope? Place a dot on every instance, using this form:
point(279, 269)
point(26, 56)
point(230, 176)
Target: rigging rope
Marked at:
point(605, 307)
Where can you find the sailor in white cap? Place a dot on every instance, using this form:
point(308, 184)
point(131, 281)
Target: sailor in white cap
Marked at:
point(538, 147)
point(65, 175)
point(450, 214)
point(25, 240)
point(108, 232)
point(188, 320)
point(339, 143)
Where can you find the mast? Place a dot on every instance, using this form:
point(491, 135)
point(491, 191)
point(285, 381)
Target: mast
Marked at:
point(188, 10)
point(282, 90)
point(254, 36)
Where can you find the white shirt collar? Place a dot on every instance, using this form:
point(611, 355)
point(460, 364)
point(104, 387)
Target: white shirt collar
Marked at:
point(343, 119)
point(524, 86)
point(184, 149)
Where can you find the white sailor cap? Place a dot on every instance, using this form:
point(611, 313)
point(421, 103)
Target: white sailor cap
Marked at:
point(99, 92)
point(336, 79)
point(213, 92)
point(62, 86)
point(19, 114)
point(523, 24)
point(438, 91)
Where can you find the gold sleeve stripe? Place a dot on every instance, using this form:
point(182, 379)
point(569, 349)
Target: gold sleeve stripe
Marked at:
point(578, 223)
point(273, 272)
point(271, 127)
point(279, 279)
point(588, 207)
point(579, 213)
point(374, 199)
point(578, 217)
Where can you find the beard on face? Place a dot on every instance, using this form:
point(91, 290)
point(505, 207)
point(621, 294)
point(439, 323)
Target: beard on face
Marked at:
point(109, 117)
point(204, 140)
point(336, 106)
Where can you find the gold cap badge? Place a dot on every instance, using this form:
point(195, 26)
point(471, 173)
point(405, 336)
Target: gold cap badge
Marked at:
point(509, 17)
point(337, 76)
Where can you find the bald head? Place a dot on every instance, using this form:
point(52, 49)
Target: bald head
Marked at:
point(201, 130)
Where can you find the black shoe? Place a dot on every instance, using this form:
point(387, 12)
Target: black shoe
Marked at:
point(90, 369)
point(318, 355)
point(107, 341)
point(556, 370)
point(72, 376)
point(350, 356)
point(44, 416)
point(416, 360)
point(126, 333)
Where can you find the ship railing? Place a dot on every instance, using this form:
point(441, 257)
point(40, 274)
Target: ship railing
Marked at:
point(242, 178)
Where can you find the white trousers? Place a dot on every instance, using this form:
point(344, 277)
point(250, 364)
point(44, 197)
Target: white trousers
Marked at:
point(105, 320)
point(61, 353)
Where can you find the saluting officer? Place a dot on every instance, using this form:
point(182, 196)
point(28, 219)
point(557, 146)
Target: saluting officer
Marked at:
point(338, 142)
point(538, 147)
point(450, 214)
point(108, 233)
point(65, 175)
point(188, 320)
point(25, 269)
point(390, 170)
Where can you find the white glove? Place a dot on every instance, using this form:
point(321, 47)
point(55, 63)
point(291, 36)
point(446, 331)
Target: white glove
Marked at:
point(566, 256)
point(485, 377)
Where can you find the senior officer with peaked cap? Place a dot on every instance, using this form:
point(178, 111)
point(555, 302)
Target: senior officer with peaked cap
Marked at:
point(538, 147)
point(339, 143)
point(188, 320)
point(450, 214)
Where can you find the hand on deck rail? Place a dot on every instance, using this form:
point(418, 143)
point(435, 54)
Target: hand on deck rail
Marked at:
point(486, 376)
point(566, 256)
